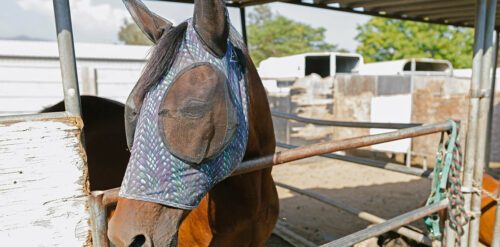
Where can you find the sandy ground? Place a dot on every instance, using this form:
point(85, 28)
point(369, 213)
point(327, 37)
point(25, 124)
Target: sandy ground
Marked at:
point(380, 192)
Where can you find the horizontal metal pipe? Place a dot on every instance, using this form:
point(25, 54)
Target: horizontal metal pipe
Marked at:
point(291, 237)
point(111, 196)
point(334, 146)
point(388, 225)
point(366, 125)
point(372, 163)
point(319, 149)
point(405, 231)
point(104, 198)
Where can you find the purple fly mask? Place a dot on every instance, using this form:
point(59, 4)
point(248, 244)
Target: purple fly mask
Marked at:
point(192, 127)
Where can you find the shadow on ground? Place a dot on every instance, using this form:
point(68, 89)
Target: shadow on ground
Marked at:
point(321, 223)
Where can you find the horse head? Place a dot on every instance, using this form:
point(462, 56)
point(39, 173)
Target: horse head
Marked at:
point(186, 123)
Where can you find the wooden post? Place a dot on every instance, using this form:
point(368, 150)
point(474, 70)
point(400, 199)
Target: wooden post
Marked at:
point(89, 81)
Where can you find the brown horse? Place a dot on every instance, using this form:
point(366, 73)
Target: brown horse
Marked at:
point(241, 210)
point(108, 155)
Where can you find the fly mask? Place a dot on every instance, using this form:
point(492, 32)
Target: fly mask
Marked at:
point(192, 127)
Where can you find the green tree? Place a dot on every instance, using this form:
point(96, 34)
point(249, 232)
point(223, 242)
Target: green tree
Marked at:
point(131, 34)
point(383, 39)
point(273, 35)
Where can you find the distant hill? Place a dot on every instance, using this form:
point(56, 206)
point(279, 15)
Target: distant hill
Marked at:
point(24, 37)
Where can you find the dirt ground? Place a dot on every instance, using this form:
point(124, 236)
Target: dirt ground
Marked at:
point(380, 192)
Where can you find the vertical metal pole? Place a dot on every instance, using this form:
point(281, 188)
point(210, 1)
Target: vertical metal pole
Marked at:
point(99, 226)
point(471, 138)
point(496, 229)
point(492, 101)
point(67, 57)
point(243, 24)
point(412, 80)
point(482, 121)
point(450, 234)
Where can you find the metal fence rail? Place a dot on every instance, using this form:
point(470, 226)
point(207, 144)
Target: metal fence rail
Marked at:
point(373, 163)
point(322, 122)
point(476, 138)
point(349, 124)
point(389, 225)
point(101, 199)
point(404, 231)
point(340, 145)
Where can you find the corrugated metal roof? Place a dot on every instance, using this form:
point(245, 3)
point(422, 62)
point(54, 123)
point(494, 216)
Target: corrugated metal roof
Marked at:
point(450, 12)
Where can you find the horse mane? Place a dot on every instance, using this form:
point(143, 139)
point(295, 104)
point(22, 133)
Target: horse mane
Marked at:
point(161, 60)
point(240, 48)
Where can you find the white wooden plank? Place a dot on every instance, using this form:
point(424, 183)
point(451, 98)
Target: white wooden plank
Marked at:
point(115, 90)
point(31, 89)
point(43, 184)
point(118, 75)
point(27, 104)
point(30, 74)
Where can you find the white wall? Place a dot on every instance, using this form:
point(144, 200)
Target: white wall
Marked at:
point(30, 79)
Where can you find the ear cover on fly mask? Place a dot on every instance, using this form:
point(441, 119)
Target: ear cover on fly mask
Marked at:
point(197, 118)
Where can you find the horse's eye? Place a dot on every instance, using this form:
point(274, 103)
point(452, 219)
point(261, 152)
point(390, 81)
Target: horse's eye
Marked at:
point(193, 108)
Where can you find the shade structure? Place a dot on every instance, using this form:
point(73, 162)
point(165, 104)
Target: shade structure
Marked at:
point(447, 12)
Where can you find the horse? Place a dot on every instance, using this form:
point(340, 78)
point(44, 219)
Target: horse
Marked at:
point(240, 209)
point(107, 156)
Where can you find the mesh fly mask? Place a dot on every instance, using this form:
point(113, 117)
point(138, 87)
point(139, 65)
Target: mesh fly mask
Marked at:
point(192, 129)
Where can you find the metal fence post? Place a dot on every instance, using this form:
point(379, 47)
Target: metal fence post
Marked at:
point(492, 101)
point(496, 230)
point(482, 122)
point(67, 57)
point(471, 138)
point(243, 24)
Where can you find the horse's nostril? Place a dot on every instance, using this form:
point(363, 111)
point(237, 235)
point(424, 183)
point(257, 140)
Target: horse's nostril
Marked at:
point(139, 240)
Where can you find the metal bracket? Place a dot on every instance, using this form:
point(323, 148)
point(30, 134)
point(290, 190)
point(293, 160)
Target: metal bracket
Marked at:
point(468, 190)
point(480, 93)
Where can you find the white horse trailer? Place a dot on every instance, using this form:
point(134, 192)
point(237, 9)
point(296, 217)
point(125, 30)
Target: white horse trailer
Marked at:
point(415, 66)
point(278, 73)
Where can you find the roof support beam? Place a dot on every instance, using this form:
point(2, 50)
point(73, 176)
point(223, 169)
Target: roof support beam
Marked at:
point(384, 3)
point(419, 6)
point(467, 8)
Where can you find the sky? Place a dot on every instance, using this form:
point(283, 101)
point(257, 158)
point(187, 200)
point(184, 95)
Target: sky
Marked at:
point(98, 21)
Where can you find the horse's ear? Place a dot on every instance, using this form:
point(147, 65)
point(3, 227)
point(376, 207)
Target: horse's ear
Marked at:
point(212, 25)
point(150, 23)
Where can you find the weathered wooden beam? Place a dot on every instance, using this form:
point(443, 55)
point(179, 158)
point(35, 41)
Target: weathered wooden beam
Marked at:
point(43, 183)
